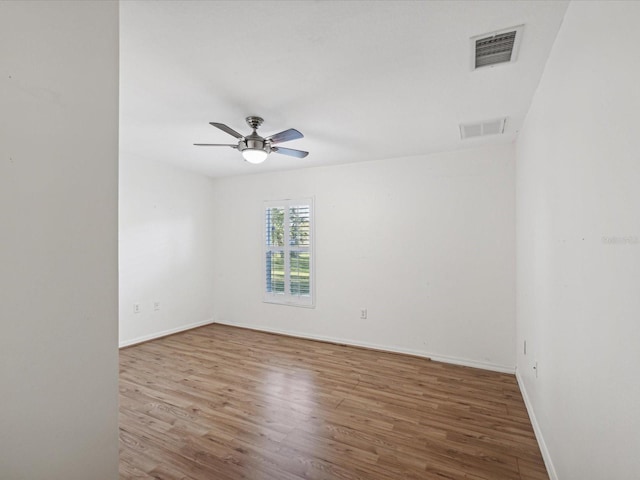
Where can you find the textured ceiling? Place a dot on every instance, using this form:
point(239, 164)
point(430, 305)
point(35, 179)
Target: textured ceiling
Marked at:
point(361, 80)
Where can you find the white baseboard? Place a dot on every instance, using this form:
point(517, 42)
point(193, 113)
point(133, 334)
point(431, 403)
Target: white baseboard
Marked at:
point(553, 475)
point(164, 333)
point(419, 353)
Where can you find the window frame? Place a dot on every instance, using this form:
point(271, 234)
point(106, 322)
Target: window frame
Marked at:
point(286, 298)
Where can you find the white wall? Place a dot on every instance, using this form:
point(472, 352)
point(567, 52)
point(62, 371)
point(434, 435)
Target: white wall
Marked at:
point(426, 244)
point(166, 249)
point(578, 246)
point(58, 240)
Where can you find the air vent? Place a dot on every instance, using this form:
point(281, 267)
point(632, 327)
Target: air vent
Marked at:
point(482, 129)
point(495, 48)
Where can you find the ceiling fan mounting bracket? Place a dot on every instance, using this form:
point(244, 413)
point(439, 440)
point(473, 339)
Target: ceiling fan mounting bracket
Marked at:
point(254, 122)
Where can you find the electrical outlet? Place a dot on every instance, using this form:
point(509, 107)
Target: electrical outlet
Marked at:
point(136, 308)
point(363, 313)
point(525, 347)
point(156, 306)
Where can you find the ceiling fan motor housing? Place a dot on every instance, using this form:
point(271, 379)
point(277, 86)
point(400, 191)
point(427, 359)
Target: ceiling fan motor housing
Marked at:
point(255, 142)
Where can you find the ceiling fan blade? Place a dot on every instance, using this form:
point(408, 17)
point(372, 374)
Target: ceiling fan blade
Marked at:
point(290, 151)
point(215, 145)
point(227, 129)
point(285, 136)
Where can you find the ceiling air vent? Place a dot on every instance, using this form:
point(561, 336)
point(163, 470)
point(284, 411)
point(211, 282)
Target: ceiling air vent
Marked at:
point(482, 129)
point(495, 48)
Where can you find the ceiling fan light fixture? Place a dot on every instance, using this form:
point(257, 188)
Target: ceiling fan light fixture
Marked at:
point(254, 155)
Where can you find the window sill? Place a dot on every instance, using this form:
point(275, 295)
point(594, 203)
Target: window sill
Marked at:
point(287, 303)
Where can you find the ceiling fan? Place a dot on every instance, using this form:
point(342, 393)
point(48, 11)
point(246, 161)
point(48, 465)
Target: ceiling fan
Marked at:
point(255, 148)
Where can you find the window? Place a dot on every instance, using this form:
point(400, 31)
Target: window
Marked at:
point(288, 253)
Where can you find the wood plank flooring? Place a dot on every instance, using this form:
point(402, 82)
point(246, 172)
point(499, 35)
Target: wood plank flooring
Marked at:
point(226, 403)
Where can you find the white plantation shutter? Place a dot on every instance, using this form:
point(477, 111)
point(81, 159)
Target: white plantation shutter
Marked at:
point(288, 252)
point(274, 253)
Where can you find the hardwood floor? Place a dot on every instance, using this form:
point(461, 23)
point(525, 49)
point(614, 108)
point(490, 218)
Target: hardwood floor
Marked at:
point(226, 403)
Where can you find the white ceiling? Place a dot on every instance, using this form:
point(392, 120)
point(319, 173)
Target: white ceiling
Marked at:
point(362, 80)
